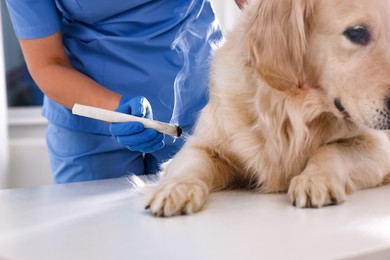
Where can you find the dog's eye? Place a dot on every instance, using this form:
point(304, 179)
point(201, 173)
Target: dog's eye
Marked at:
point(358, 34)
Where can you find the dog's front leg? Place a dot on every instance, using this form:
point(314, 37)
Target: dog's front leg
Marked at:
point(188, 179)
point(341, 167)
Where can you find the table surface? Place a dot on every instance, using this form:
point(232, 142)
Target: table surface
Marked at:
point(106, 220)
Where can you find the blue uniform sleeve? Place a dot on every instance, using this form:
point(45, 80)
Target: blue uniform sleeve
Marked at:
point(34, 18)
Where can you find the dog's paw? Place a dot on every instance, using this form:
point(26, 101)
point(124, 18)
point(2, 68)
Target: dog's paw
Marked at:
point(177, 198)
point(315, 191)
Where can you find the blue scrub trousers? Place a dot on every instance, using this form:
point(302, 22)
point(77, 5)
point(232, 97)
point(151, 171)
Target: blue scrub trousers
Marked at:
point(82, 156)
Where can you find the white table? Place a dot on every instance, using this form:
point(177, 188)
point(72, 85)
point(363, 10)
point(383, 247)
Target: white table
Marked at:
point(106, 220)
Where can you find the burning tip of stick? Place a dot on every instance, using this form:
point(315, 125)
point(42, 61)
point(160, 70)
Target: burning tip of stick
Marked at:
point(179, 131)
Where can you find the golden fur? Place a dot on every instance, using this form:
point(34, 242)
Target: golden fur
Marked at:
point(272, 124)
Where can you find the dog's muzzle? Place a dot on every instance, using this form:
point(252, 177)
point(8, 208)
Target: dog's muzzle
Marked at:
point(380, 119)
point(384, 116)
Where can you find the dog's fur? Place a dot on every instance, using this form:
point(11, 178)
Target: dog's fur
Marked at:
point(272, 123)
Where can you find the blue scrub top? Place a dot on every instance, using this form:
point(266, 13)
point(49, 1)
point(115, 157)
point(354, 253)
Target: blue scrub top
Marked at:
point(159, 49)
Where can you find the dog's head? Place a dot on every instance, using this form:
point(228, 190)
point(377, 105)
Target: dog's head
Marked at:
point(338, 46)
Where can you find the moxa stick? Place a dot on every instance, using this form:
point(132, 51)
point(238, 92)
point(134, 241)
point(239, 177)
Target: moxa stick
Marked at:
point(117, 117)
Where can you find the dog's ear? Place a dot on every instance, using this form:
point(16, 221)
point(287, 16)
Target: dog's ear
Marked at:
point(275, 39)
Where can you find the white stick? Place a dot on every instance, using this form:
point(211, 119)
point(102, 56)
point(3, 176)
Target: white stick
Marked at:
point(116, 117)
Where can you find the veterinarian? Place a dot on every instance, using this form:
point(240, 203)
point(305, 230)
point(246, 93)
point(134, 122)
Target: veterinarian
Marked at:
point(120, 55)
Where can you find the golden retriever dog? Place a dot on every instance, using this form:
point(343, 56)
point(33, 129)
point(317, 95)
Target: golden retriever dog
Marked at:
point(299, 94)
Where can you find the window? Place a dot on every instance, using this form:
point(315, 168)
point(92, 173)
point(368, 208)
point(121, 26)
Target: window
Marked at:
point(21, 89)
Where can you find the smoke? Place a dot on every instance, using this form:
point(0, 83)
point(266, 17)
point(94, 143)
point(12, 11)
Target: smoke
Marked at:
point(182, 45)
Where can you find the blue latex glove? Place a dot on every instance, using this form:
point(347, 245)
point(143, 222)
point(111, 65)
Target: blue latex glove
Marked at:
point(133, 135)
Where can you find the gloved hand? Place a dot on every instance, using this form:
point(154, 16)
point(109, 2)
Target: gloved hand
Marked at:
point(133, 135)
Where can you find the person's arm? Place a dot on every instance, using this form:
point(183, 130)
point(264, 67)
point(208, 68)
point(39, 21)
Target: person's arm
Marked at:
point(51, 70)
point(240, 3)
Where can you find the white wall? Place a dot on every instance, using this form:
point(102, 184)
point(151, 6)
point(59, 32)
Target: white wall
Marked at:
point(28, 156)
point(23, 154)
point(3, 119)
